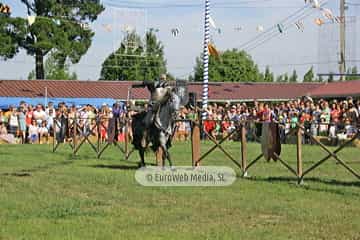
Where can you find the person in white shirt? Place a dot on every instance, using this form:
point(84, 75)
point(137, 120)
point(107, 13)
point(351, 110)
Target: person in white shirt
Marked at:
point(33, 132)
point(39, 115)
point(43, 132)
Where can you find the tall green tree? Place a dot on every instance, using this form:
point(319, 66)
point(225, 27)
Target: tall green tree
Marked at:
point(59, 27)
point(352, 70)
point(309, 75)
point(293, 77)
point(286, 78)
point(53, 71)
point(12, 32)
point(280, 78)
point(233, 66)
point(136, 59)
point(320, 79)
point(268, 75)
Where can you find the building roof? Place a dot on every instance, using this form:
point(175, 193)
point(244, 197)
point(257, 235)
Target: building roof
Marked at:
point(338, 89)
point(222, 91)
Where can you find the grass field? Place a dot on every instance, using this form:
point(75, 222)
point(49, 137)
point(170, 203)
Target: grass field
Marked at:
point(45, 195)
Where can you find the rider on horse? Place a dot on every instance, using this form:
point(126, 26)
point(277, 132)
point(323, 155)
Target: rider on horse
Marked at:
point(160, 92)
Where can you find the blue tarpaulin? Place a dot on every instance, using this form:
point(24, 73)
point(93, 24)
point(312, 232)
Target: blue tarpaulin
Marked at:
point(5, 102)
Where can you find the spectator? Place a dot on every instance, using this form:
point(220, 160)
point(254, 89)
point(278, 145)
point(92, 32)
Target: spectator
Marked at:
point(4, 136)
point(43, 133)
point(39, 115)
point(22, 123)
point(13, 121)
point(3, 118)
point(33, 132)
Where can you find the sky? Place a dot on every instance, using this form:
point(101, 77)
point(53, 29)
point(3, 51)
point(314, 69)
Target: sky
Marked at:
point(237, 20)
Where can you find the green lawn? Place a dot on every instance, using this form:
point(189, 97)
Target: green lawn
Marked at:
point(45, 195)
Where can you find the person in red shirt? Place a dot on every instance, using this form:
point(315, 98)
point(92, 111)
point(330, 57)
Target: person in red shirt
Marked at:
point(209, 125)
point(335, 113)
point(29, 116)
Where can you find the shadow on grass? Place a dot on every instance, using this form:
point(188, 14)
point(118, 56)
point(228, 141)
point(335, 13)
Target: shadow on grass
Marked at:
point(119, 167)
point(309, 179)
point(27, 172)
point(313, 187)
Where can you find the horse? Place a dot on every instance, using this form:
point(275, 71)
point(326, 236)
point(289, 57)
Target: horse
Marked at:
point(160, 132)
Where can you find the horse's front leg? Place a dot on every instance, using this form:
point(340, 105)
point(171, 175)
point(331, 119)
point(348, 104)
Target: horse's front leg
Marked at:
point(142, 158)
point(166, 155)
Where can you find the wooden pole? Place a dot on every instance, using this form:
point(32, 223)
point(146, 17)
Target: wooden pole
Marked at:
point(75, 133)
point(54, 133)
point(98, 136)
point(126, 139)
point(195, 143)
point(243, 150)
point(299, 154)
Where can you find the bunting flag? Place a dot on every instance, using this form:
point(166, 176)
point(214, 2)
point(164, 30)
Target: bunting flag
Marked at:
point(319, 21)
point(339, 19)
point(300, 25)
point(327, 13)
point(238, 28)
point(315, 3)
point(260, 28)
point(85, 26)
point(175, 32)
point(31, 20)
point(280, 27)
point(107, 27)
point(212, 23)
point(213, 51)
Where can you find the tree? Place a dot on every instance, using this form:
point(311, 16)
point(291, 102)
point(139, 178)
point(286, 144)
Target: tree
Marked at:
point(331, 78)
point(280, 78)
point(293, 77)
point(286, 77)
point(233, 66)
point(309, 76)
point(53, 71)
point(352, 70)
point(135, 60)
point(268, 76)
point(320, 79)
point(59, 28)
point(12, 30)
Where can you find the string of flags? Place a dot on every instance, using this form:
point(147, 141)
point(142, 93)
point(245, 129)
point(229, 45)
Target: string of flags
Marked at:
point(32, 19)
point(326, 16)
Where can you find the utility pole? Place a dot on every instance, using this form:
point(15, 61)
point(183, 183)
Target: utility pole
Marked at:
point(342, 62)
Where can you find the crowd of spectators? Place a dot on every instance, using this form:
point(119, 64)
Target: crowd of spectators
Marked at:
point(334, 119)
point(34, 124)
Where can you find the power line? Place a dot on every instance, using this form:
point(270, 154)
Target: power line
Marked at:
point(128, 4)
point(251, 41)
point(277, 33)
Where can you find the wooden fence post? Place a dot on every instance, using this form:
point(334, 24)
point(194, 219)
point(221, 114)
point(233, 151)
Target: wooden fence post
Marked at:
point(126, 132)
point(195, 143)
point(98, 119)
point(299, 154)
point(74, 134)
point(243, 150)
point(54, 133)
